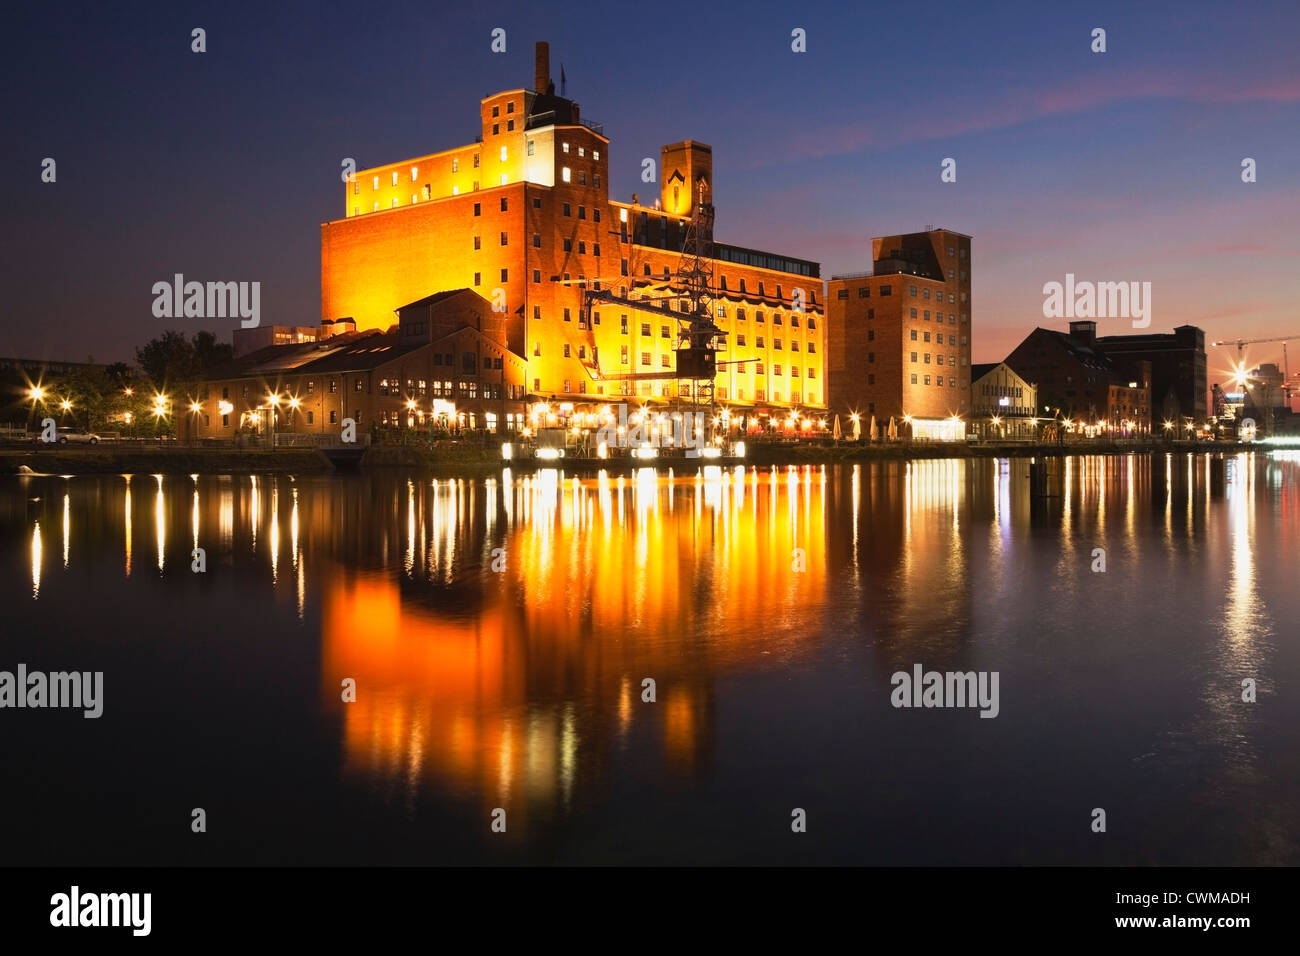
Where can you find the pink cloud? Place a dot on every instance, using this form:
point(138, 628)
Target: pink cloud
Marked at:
point(1017, 106)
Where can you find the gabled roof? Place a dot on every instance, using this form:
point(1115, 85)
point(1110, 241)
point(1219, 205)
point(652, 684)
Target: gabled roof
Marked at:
point(350, 352)
point(502, 346)
point(436, 297)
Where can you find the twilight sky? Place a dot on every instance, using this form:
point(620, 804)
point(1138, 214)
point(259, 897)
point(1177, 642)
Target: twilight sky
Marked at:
point(1117, 166)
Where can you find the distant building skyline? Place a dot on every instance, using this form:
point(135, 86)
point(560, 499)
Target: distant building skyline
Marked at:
point(1122, 166)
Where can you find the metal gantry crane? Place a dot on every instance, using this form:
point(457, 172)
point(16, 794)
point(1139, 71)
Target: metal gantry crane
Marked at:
point(1286, 368)
point(699, 338)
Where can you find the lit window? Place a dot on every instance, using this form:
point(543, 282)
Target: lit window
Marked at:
point(503, 154)
point(595, 154)
point(565, 147)
point(375, 184)
point(415, 171)
point(394, 206)
point(531, 147)
point(504, 179)
point(394, 177)
point(564, 174)
point(455, 190)
point(622, 215)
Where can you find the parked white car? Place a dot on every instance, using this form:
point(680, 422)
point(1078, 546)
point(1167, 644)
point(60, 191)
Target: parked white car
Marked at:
point(76, 436)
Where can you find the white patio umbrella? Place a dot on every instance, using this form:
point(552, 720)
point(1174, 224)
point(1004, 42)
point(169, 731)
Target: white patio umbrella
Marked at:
point(835, 428)
point(871, 429)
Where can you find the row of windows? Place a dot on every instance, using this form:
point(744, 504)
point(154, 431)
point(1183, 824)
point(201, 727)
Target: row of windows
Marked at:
point(938, 381)
point(684, 391)
point(722, 284)
point(938, 359)
point(776, 343)
point(663, 329)
point(759, 317)
point(566, 175)
point(415, 175)
point(582, 151)
point(952, 339)
point(1011, 391)
point(864, 292)
point(938, 317)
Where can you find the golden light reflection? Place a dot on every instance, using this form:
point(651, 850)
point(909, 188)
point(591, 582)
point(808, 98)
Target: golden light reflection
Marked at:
point(275, 530)
point(160, 521)
point(509, 701)
point(127, 523)
point(37, 554)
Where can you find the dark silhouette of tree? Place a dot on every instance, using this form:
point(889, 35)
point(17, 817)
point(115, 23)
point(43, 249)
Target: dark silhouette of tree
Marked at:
point(171, 360)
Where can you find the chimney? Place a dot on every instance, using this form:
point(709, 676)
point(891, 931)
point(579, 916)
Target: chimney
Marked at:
point(542, 66)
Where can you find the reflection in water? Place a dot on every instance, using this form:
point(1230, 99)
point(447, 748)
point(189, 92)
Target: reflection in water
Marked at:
point(126, 524)
point(160, 521)
point(36, 559)
point(500, 630)
point(512, 683)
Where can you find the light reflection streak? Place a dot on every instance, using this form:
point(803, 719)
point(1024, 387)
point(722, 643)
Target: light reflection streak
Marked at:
point(160, 520)
point(37, 555)
point(127, 512)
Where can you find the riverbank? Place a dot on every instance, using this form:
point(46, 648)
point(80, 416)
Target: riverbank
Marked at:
point(124, 459)
point(480, 461)
point(134, 459)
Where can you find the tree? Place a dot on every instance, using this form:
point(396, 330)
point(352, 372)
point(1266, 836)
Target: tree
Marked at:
point(88, 389)
point(167, 358)
point(174, 362)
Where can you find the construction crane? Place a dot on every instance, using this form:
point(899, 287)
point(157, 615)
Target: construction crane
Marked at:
point(1286, 368)
point(699, 338)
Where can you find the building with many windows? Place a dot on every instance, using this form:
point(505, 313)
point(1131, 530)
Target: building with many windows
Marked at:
point(899, 339)
point(1079, 383)
point(1003, 405)
point(1178, 372)
point(444, 364)
point(586, 284)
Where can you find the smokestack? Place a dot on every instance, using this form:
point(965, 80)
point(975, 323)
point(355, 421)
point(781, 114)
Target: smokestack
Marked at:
point(542, 66)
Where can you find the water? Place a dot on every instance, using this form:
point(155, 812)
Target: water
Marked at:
point(521, 688)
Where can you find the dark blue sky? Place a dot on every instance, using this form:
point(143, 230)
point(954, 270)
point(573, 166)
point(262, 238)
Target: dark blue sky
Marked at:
point(1118, 166)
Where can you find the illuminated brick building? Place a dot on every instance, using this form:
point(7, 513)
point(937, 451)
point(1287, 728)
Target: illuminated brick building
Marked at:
point(444, 363)
point(900, 336)
point(1079, 382)
point(523, 217)
point(1003, 405)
